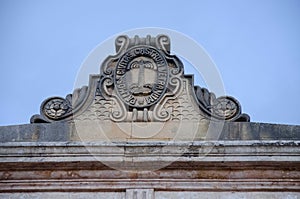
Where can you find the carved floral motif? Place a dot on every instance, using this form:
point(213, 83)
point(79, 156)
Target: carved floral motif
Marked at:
point(225, 107)
point(56, 107)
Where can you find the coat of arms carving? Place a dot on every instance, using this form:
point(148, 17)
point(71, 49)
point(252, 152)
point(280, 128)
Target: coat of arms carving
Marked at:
point(142, 82)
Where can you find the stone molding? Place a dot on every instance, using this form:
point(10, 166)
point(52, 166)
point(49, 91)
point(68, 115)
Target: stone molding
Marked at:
point(227, 166)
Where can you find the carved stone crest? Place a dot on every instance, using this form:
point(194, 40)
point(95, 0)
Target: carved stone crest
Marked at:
point(141, 76)
point(142, 82)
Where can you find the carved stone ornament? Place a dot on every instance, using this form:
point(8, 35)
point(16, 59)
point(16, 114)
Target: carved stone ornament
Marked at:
point(142, 82)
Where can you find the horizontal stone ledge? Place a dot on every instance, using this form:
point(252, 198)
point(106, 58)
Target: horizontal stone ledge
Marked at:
point(208, 173)
point(109, 131)
point(146, 160)
point(285, 168)
point(189, 185)
point(145, 154)
point(136, 149)
point(156, 143)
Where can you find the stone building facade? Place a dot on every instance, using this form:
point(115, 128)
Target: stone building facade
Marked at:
point(142, 129)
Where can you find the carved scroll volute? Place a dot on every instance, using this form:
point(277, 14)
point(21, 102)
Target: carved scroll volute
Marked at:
point(121, 44)
point(107, 74)
point(109, 64)
point(163, 42)
point(221, 108)
point(52, 109)
point(174, 89)
point(58, 108)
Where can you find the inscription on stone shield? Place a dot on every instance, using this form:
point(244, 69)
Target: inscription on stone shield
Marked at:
point(141, 76)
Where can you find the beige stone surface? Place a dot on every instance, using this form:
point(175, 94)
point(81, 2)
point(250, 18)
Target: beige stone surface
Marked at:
point(145, 194)
point(106, 131)
point(140, 193)
point(64, 195)
point(143, 131)
point(226, 195)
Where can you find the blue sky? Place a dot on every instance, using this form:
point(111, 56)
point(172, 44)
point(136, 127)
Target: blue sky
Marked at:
point(255, 45)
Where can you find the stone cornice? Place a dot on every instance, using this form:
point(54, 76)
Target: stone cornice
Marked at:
point(190, 166)
point(68, 131)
